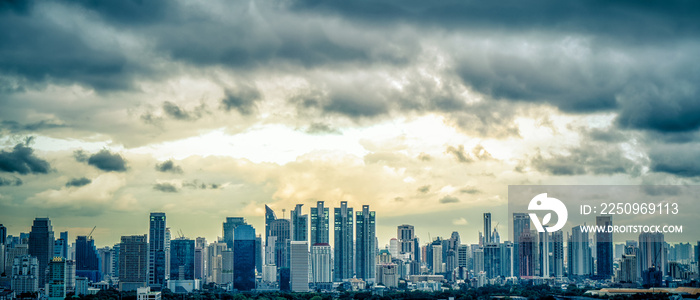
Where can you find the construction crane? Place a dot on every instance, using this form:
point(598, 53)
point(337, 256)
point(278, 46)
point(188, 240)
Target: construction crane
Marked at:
point(89, 236)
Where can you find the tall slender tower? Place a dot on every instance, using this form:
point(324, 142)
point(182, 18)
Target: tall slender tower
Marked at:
point(156, 250)
point(365, 244)
point(604, 248)
point(521, 224)
point(319, 224)
point(300, 227)
point(487, 228)
point(343, 250)
point(41, 242)
point(269, 218)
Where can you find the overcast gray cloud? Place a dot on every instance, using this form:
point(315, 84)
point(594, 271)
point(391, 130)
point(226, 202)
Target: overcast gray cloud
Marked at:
point(168, 166)
point(105, 161)
point(78, 182)
point(22, 160)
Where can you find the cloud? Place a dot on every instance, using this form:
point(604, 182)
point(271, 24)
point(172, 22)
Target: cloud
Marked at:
point(598, 159)
point(14, 181)
point(242, 99)
point(196, 184)
point(107, 161)
point(424, 189)
point(78, 182)
point(477, 153)
point(16, 127)
point(469, 190)
point(168, 166)
point(90, 200)
point(81, 156)
point(678, 159)
point(460, 221)
point(321, 128)
point(178, 113)
point(21, 160)
point(165, 187)
point(449, 199)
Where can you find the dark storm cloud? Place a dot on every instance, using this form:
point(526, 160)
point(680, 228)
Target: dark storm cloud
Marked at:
point(14, 181)
point(629, 20)
point(449, 199)
point(129, 12)
point(598, 159)
point(242, 99)
point(107, 161)
point(21, 160)
point(168, 166)
point(179, 113)
point(78, 182)
point(165, 187)
point(677, 159)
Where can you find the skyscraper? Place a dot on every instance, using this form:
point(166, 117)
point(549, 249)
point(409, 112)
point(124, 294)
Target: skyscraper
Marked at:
point(25, 277)
point(558, 253)
point(156, 251)
point(182, 259)
point(56, 281)
point(365, 247)
point(281, 230)
point(406, 236)
point(506, 259)
point(604, 248)
point(543, 253)
point(628, 268)
point(579, 251)
point(487, 228)
point(41, 245)
point(269, 218)
point(652, 253)
point(133, 262)
point(244, 260)
point(527, 254)
point(492, 259)
point(300, 223)
point(228, 228)
point(319, 224)
point(299, 268)
point(86, 260)
point(3, 234)
point(321, 265)
point(343, 242)
point(200, 254)
point(521, 224)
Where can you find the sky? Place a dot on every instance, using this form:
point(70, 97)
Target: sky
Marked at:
point(426, 111)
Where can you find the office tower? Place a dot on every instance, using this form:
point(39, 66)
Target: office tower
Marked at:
point(463, 256)
point(436, 259)
point(156, 250)
point(487, 228)
point(604, 248)
point(521, 224)
point(394, 247)
point(269, 218)
point(321, 266)
point(579, 258)
point(365, 246)
point(182, 259)
point(227, 263)
point(115, 261)
point(343, 242)
point(3, 234)
point(258, 255)
point(543, 254)
point(300, 223)
point(244, 260)
point(12, 253)
point(200, 254)
point(25, 274)
point(492, 260)
point(652, 253)
point(133, 262)
point(527, 254)
point(105, 262)
point(41, 245)
point(228, 228)
point(628, 268)
point(558, 254)
point(506, 251)
point(70, 276)
point(319, 224)
point(299, 268)
point(215, 262)
point(58, 248)
point(406, 236)
point(86, 261)
point(477, 259)
point(281, 230)
point(64, 236)
point(56, 280)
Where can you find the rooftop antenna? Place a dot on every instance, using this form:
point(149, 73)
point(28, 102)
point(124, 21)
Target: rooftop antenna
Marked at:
point(283, 210)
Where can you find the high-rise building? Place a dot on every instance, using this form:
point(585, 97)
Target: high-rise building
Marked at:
point(86, 260)
point(579, 258)
point(628, 268)
point(105, 262)
point(487, 229)
point(319, 224)
point(521, 224)
point(269, 218)
point(492, 259)
point(543, 254)
point(652, 253)
point(558, 254)
point(200, 255)
point(507, 255)
point(244, 260)
point(406, 236)
point(436, 259)
point(281, 230)
point(259, 254)
point(182, 259)
point(41, 245)
point(3, 234)
point(215, 262)
point(228, 228)
point(343, 242)
point(56, 280)
point(25, 274)
point(13, 252)
point(527, 254)
point(463, 256)
point(299, 268)
point(70, 276)
point(156, 249)
point(321, 266)
point(133, 262)
point(604, 248)
point(58, 248)
point(300, 221)
point(365, 247)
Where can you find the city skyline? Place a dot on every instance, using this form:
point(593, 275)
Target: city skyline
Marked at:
point(426, 112)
